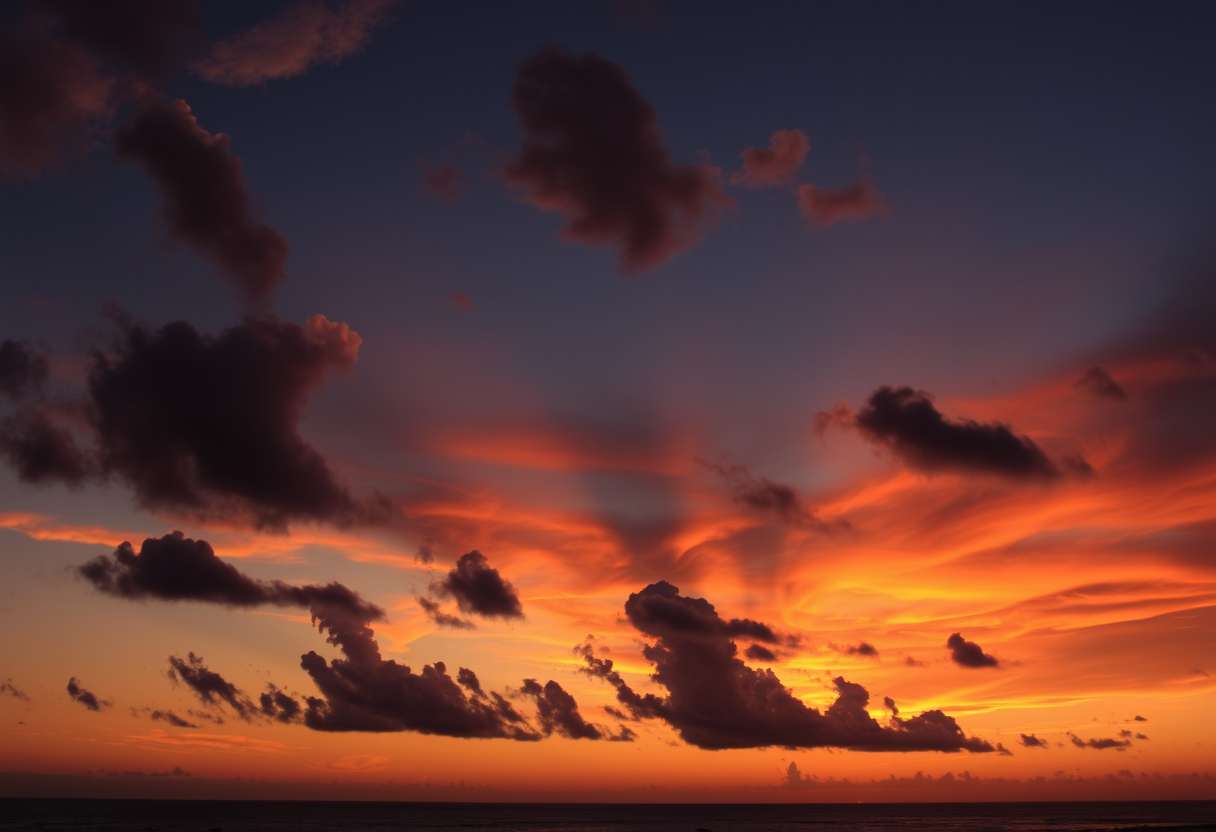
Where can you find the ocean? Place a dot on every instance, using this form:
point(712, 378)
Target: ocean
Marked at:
point(275, 816)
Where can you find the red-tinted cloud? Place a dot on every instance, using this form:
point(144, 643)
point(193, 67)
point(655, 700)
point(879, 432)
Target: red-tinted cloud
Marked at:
point(207, 204)
point(306, 33)
point(593, 153)
point(765, 167)
point(828, 206)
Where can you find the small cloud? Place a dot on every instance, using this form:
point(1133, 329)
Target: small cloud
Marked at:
point(968, 653)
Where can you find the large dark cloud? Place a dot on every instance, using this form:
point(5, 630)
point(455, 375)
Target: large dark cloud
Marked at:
point(765, 167)
point(906, 421)
point(365, 692)
point(212, 689)
point(53, 94)
point(593, 152)
point(208, 425)
point(968, 653)
point(22, 371)
point(176, 568)
point(479, 588)
point(302, 35)
point(714, 700)
point(207, 204)
point(85, 697)
point(68, 63)
point(39, 450)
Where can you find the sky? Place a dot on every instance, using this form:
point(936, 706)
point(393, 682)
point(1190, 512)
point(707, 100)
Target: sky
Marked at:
point(607, 401)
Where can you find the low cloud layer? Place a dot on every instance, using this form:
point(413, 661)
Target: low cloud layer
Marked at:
point(713, 700)
point(593, 152)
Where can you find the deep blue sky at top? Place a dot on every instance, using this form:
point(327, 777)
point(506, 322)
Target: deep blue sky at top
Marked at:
point(1045, 165)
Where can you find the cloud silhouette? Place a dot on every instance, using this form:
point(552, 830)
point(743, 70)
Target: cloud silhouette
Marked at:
point(85, 697)
point(968, 653)
point(478, 588)
point(593, 153)
point(765, 167)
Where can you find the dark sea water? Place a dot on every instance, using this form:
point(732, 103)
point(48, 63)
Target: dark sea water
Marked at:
point(252, 816)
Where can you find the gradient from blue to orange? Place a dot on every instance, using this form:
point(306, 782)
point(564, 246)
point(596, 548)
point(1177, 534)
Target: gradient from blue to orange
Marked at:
point(1046, 182)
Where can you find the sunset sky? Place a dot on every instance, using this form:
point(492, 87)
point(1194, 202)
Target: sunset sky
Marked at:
point(607, 401)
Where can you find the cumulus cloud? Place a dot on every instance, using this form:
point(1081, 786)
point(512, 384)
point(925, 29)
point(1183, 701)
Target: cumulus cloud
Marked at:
point(22, 370)
point(67, 65)
point(776, 164)
point(1031, 741)
point(593, 152)
point(364, 692)
point(862, 648)
point(177, 568)
point(1100, 743)
point(212, 689)
point(714, 700)
point(478, 588)
point(302, 35)
point(85, 697)
point(558, 712)
point(1098, 382)
point(968, 653)
point(208, 425)
point(206, 201)
point(40, 451)
point(907, 422)
point(280, 706)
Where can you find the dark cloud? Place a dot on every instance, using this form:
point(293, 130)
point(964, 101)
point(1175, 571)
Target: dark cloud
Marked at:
point(1100, 744)
point(906, 421)
point(206, 202)
point(304, 34)
point(364, 692)
point(760, 653)
point(22, 371)
point(862, 648)
point(280, 706)
point(445, 181)
point(149, 38)
point(716, 701)
point(1031, 741)
point(558, 711)
point(443, 619)
point(8, 688)
point(828, 206)
point(1099, 382)
point(765, 496)
point(85, 697)
point(1138, 718)
point(968, 653)
point(693, 618)
point(208, 425)
point(776, 164)
point(170, 718)
point(478, 588)
point(52, 96)
point(177, 568)
point(41, 451)
point(594, 153)
point(212, 689)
